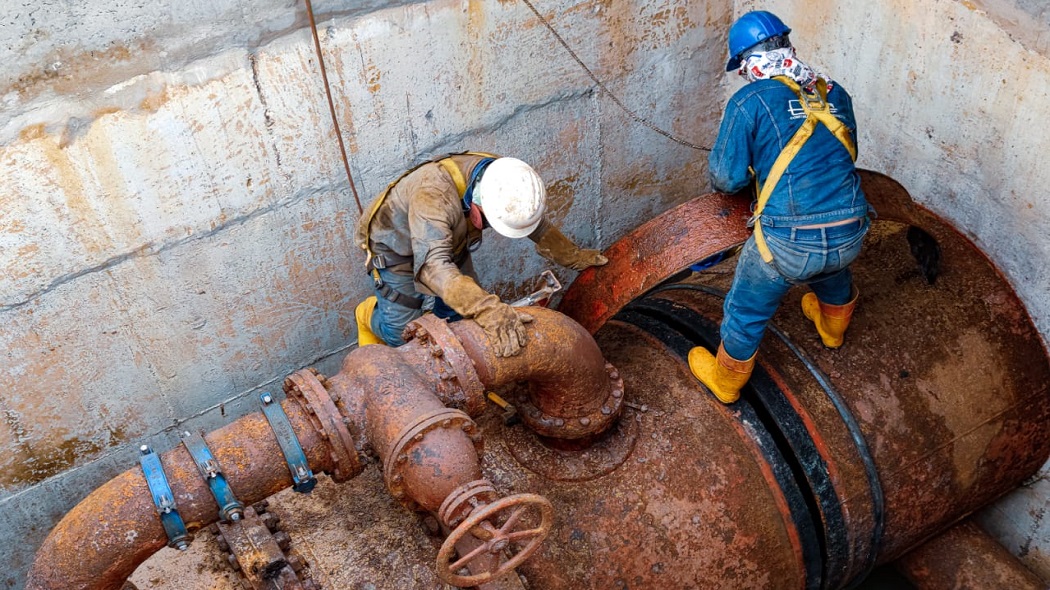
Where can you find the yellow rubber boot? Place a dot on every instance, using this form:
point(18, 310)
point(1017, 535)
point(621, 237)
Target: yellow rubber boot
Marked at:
point(831, 320)
point(722, 374)
point(363, 313)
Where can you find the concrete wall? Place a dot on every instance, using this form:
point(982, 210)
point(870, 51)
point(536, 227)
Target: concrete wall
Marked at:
point(952, 99)
point(175, 222)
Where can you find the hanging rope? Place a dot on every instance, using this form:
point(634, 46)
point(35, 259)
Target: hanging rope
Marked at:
point(634, 116)
point(331, 106)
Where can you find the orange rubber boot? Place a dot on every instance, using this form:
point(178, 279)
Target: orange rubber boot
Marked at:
point(722, 374)
point(831, 320)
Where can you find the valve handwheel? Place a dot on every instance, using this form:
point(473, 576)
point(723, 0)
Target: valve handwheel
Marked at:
point(481, 524)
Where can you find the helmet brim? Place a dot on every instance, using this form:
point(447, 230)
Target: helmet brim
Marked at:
point(734, 63)
point(511, 232)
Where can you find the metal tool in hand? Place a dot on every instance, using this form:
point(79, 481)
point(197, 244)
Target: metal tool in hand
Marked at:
point(547, 285)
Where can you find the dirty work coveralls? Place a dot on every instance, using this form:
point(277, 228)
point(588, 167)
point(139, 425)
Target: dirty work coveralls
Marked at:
point(421, 220)
point(820, 186)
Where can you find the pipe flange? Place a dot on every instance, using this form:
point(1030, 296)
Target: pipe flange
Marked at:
point(576, 427)
point(307, 386)
point(459, 385)
point(414, 433)
point(464, 500)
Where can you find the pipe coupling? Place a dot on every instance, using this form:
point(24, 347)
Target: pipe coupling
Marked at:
point(307, 386)
point(458, 384)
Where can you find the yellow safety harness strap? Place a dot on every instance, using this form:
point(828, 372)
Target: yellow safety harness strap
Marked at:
point(446, 163)
point(817, 110)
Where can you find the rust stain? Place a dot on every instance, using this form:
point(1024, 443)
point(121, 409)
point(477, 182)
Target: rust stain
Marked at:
point(41, 463)
point(372, 76)
point(155, 100)
point(32, 132)
point(67, 72)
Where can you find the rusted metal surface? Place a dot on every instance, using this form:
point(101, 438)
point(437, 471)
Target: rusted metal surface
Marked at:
point(309, 386)
point(103, 539)
point(392, 402)
point(965, 557)
point(833, 462)
point(695, 504)
point(573, 392)
point(936, 405)
point(827, 456)
point(504, 526)
point(257, 549)
point(653, 252)
point(689, 233)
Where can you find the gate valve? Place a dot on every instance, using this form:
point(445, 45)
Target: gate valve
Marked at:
point(483, 524)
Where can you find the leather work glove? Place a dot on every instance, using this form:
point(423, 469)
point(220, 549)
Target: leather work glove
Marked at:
point(554, 246)
point(504, 325)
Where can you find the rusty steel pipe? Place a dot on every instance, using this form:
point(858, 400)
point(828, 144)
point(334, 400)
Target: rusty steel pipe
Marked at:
point(99, 543)
point(833, 462)
point(963, 557)
point(412, 405)
point(573, 392)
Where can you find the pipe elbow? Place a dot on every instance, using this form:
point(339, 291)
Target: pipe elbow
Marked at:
point(573, 392)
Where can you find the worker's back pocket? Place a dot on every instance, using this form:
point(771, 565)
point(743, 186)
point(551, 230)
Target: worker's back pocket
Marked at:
point(801, 254)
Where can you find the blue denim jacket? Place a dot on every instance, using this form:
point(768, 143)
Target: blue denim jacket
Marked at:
point(820, 186)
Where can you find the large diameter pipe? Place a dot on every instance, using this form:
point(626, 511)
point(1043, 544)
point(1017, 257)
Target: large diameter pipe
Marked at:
point(936, 405)
point(964, 557)
point(99, 543)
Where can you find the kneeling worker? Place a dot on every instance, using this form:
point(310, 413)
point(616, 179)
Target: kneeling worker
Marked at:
point(421, 230)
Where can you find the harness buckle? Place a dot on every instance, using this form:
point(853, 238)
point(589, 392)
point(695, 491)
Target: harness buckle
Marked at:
point(378, 261)
point(812, 102)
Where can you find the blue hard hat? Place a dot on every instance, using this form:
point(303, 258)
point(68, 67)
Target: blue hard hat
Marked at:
point(750, 30)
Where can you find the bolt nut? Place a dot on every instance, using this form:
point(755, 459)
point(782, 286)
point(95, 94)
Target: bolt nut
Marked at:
point(606, 410)
point(295, 561)
point(617, 393)
point(585, 421)
point(283, 540)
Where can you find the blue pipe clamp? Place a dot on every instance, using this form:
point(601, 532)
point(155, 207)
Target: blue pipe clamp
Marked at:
point(303, 480)
point(229, 508)
point(164, 499)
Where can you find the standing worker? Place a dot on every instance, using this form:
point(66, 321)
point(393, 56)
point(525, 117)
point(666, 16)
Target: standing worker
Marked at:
point(421, 230)
point(794, 133)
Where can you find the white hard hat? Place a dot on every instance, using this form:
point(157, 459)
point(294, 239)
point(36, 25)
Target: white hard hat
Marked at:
point(512, 196)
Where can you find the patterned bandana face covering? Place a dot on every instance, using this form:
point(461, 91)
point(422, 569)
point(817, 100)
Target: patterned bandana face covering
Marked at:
point(763, 65)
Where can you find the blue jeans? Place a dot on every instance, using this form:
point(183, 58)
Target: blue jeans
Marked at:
point(817, 257)
point(390, 319)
